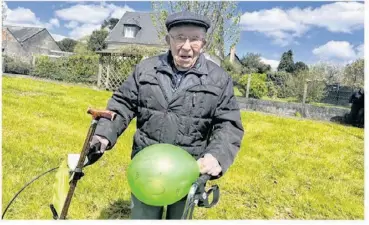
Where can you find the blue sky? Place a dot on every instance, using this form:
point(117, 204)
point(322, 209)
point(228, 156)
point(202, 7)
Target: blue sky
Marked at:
point(314, 31)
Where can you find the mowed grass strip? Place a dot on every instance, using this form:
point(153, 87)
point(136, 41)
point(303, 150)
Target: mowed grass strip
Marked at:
point(286, 169)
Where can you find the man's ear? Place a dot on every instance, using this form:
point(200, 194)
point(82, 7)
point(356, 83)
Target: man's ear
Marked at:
point(167, 39)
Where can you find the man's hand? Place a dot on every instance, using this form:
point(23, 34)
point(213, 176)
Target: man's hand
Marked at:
point(209, 165)
point(98, 146)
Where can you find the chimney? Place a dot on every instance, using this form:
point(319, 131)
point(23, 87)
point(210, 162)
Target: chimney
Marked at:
point(232, 54)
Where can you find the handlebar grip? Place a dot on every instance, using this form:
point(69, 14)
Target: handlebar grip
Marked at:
point(97, 114)
point(203, 179)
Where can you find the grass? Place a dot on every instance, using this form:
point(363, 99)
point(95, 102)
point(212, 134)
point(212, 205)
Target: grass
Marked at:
point(288, 168)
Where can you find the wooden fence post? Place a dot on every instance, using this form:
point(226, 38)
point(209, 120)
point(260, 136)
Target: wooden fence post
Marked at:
point(107, 74)
point(305, 91)
point(99, 73)
point(248, 86)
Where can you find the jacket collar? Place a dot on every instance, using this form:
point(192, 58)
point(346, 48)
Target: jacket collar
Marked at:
point(166, 64)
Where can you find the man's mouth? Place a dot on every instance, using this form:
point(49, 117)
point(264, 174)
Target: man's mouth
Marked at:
point(185, 57)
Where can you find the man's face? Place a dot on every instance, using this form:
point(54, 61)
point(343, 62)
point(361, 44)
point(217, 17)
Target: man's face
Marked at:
point(186, 43)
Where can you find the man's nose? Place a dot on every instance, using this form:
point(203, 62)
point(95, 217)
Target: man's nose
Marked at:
point(187, 45)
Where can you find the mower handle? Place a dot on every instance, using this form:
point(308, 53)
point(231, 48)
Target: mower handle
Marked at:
point(97, 114)
point(203, 179)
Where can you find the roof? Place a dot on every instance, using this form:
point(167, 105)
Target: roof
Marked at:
point(147, 35)
point(23, 33)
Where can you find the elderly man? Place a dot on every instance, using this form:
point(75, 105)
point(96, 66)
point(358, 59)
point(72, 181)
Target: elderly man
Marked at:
point(179, 98)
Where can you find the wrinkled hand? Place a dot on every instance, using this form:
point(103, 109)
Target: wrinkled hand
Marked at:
point(98, 146)
point(209, 165)
point(98, 139)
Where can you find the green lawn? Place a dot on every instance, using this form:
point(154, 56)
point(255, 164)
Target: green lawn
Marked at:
point(287, 168)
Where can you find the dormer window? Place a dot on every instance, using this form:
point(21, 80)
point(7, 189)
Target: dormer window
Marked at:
point(130, 31)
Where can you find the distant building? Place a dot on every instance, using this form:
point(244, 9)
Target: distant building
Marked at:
point(22, 43)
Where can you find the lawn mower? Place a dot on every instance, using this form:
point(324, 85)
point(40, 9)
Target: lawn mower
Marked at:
point(197, 196)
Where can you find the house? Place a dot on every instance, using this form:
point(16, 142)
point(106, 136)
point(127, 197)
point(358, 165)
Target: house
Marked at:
point(134, 28)
point(23, 42)
point(138, 28)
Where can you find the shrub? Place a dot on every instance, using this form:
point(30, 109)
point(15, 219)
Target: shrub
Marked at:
point(12, 65)
point(315, 90)
point(75, 68)
point(279, 80)
point(258, 87)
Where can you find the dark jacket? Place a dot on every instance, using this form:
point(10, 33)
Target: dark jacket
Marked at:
point(201, 116)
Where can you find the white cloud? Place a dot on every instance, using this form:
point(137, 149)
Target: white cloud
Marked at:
point(273, 63)
point(283, 26)
point(85, 18)
point(58, 37)
point(26, 18)
point(338, 51)
point(83, 30)
point(71, 24)
point(54, 22)
point(118, 12)
point(21, 15)
point(360, 51)
point(91, 14)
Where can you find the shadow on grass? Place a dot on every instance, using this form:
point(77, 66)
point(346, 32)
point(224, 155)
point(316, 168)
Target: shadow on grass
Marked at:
point(119, 209)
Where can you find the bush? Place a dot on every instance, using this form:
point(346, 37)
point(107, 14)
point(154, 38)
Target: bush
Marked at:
point(279, 80)
point(315, 90)
point(12, 65)
point(272, 90)
point(75, 68)
point(258, 87)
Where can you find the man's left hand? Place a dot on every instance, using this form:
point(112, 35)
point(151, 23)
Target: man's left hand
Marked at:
point(209, 165)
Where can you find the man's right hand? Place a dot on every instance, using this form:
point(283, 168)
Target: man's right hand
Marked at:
point(98, 146)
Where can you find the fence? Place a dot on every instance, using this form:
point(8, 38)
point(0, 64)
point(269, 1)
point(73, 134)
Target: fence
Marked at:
point(310, 91)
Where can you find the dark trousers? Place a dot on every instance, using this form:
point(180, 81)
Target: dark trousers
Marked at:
point(141, 211)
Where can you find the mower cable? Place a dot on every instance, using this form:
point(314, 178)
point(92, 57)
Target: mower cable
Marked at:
point(50, 170)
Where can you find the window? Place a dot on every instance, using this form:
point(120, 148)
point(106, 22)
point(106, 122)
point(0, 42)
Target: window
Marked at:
point(130, 31)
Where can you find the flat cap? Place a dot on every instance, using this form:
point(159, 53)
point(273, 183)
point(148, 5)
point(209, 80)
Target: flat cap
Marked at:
point(186, 17)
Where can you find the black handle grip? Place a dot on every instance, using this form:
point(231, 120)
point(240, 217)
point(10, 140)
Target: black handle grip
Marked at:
point(203, 179)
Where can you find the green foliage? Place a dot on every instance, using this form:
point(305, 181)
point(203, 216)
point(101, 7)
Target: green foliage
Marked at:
point(61, 187)
point(50, 68)
point(272, 90)
point(286, 63)
point(82, 48)
point(258, 87)
point(286, 167)
point(110, 23)
point(316, 85)
point(252, 64)
point(67, 44)
point(15, 66)
point(140, 50)
point(234, 70)
point(354, 74)
point(297, 114)
point(279, 79)
point(96, 41)
point(75, 68)
point(299, 66)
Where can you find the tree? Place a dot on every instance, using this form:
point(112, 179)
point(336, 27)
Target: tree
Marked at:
point(252, 64)
point(96, 41)
point(110, 23)
point(223, 16)
point(354, 74)
point(286, 63)
point(67, 44)
point(299, 66)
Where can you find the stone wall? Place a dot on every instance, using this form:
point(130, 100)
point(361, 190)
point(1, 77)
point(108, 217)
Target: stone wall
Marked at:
point(290, 109)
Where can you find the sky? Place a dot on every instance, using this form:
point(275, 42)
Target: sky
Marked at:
point(314, 31)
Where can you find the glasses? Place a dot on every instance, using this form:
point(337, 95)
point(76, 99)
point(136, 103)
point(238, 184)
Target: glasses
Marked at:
point(195, 41)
